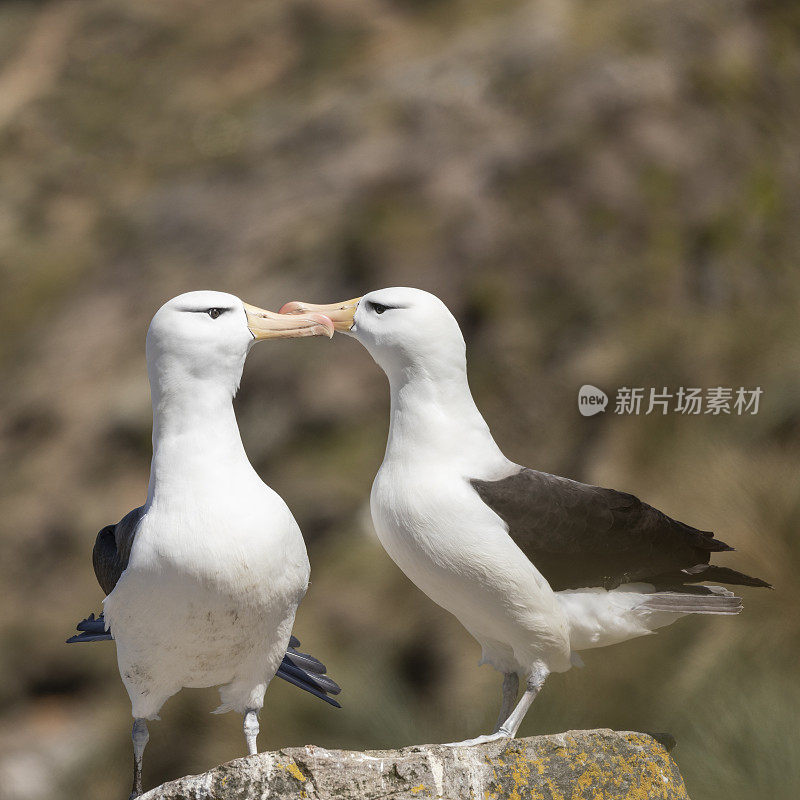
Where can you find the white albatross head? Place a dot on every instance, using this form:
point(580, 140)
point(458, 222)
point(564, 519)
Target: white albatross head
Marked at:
point(205, 337)
point(403, 329)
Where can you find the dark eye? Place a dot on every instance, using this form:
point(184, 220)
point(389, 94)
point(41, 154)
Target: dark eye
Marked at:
point(214, 313)
point(378, 308)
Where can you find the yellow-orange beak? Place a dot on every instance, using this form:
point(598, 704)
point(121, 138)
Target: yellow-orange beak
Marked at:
point(340, 313)
point(269, 325)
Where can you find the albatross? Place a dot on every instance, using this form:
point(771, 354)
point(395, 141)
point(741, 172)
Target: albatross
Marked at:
point(535, 566)
point(203, 580)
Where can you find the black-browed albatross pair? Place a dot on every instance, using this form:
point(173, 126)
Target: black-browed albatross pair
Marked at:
point(203, 581)
point(536, 567)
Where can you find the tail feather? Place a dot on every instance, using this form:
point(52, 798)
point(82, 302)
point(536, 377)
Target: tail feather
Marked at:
point(717, 601)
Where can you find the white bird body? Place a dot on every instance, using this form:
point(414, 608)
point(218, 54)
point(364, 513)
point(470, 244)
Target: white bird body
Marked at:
point(536, 567)
point(216, 573)
point(204, 580)
point(452, 545)
point(457, 550)
point(218, 565)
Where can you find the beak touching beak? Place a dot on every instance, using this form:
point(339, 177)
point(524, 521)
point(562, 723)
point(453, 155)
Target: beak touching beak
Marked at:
point(340, 313)
point(269, 325)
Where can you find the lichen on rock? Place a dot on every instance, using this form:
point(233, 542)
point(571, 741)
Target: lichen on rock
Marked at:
point(576, 765)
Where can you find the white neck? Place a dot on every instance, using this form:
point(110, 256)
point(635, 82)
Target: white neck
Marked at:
point(196, 439)
point(433, 416)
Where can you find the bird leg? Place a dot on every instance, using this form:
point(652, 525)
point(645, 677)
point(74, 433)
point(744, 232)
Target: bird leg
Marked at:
point(532, 687)
point(510, 691)
point(140, 737)
point(251, 730)
point(508, 730)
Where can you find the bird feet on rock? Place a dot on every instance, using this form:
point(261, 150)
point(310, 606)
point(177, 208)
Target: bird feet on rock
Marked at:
point(487, 737)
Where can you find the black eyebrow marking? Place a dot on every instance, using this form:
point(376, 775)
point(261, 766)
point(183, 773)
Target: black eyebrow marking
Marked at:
point(206, 309)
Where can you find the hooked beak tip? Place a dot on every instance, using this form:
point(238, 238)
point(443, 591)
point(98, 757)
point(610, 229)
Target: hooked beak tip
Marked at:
point(265, 324)
point(326, 322)
point(341, 314)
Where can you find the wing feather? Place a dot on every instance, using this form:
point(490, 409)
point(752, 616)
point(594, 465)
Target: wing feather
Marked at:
point(579, 535)
point(112, 549)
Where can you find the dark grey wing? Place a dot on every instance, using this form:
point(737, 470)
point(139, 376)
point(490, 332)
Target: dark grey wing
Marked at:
point(579, 535)
point(307, 673)
point(112, 549)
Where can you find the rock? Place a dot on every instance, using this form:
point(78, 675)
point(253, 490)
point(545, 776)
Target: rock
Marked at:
point(576, 765)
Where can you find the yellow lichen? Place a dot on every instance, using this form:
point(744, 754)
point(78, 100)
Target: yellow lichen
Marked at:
point(641, 773)
point(294, 771)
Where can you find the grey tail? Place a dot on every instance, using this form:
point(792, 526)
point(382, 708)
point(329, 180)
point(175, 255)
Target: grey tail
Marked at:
point(91, 630)
point(714, 600)
point(300, 669)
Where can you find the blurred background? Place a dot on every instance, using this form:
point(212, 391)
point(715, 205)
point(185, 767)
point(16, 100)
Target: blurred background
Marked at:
point(602, 191)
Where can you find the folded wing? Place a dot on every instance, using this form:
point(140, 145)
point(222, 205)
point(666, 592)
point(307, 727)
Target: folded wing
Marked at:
point(581, 536)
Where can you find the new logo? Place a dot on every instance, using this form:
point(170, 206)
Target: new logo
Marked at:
point(591, 400)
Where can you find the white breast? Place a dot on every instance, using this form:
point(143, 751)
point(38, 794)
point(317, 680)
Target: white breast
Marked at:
point(435, 527)
point(210, 592)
